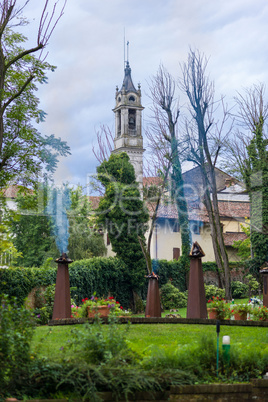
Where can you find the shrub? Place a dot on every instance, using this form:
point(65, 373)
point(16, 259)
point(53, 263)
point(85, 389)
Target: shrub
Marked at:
point(44, 302)
point(239, 289)
point(97, 345)
point(172, 298)
point(213, 291)
point(99, 274)
point(16, 331)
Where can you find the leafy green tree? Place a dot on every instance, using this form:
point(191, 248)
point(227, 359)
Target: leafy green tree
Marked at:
point(85, 241)
point(24, 152)
point(123, 214)
point(32, 231)
point(33, 234)
point(244, 246)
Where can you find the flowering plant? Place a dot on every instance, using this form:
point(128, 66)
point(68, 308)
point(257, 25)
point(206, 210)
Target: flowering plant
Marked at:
point(255, 301)
point(220, 306)
point(94, 302)
point(260, 313)
point(241, 308)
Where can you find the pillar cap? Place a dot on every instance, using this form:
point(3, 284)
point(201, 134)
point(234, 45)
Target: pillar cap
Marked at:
point(196, 251)
point(64, 259)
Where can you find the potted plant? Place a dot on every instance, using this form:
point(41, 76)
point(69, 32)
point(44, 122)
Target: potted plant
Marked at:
point(240, 311)
point(95, 305)
point(260, 313)
point(218, 308)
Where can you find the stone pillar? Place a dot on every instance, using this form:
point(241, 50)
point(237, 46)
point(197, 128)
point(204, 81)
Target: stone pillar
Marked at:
point(153, 306)
point(196, 306)
point(62, 301)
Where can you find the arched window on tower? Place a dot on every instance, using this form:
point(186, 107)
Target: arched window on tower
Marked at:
point(119, 123)
point(132, 120)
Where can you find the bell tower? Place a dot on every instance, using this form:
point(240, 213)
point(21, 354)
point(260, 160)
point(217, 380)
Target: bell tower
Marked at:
point(128, 122)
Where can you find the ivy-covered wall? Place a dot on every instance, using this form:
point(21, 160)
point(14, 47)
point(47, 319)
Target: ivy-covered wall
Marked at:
point(99, 274)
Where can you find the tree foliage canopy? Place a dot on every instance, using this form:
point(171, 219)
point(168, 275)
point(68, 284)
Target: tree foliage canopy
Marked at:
point(24, 152)
point(122, 212)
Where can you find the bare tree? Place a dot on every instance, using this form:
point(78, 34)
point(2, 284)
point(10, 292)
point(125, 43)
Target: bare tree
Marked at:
point(248, 151)
point(205, 137)
point(105, 144)
point(163, 137)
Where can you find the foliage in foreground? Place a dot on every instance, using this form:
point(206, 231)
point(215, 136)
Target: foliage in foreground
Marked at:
point(102, 360)
point(199, 359)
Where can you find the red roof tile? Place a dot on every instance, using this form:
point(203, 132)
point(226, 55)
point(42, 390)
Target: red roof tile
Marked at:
point(229, 238)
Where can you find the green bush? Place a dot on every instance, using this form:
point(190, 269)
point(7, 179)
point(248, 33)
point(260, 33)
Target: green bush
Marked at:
point(99, 274)
point(172, 298)
point(16, 331)
point(246, 363)
point(96, 345)
point(239, 289)
point(212, 290)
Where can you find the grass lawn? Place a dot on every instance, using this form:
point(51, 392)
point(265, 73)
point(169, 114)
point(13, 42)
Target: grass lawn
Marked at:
point(51, 341)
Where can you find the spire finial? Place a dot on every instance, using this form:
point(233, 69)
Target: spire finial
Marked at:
point(127, 52)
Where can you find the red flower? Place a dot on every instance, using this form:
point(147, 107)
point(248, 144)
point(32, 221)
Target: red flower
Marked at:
point(121, 307)
point(111, 298)
point(83, 300)
point(86, 298)
point(117, 303)
point(95, 298)
point(217, 298)
point(209, 301)
point(71, 316)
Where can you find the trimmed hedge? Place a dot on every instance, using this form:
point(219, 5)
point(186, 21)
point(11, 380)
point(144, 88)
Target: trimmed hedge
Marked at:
point(99, 274)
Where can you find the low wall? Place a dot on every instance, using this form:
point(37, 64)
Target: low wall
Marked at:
point(255, 391)
point(164, 320)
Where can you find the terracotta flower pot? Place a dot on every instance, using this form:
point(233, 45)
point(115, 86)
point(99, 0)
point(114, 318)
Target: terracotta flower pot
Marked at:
point(103, 311)
point(240, 316)
point(212, 313)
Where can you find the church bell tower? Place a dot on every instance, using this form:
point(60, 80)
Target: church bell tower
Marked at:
point(128, 121)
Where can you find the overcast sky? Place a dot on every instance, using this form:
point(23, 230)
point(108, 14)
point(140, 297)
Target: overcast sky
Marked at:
point(87, 48)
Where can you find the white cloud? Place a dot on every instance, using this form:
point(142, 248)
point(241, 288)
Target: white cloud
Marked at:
point(87, 48)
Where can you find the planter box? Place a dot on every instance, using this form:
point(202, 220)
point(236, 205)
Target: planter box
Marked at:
point(103, 311)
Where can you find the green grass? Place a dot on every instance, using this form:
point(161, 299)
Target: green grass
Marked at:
point(49, 341)
point(52, 342)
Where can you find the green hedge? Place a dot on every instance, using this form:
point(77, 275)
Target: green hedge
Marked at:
point(99, 274)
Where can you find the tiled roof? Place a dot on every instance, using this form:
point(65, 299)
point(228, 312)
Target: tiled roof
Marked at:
point(234, 209)
point(12, 191)
point(229, 238)
point(151, 181)
point(95, 200)
point(196, 211)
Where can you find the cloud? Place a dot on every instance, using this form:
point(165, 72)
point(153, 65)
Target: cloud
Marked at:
point(87, 48)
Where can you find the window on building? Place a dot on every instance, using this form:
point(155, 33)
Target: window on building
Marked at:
point(195, 228)
point(119, 123)
point(176, 253)
point(176, 227)
point(108, 240)
point(132, 119)
point(131, 99)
